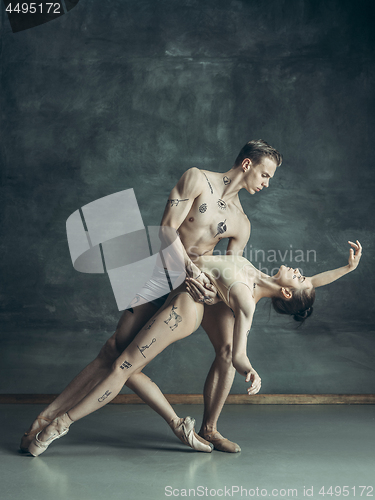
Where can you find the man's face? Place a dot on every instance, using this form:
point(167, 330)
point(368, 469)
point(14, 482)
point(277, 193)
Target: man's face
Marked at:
point(258, 176)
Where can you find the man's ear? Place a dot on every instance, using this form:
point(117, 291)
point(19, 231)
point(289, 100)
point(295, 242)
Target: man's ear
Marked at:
point(286, 293)
point(246, 164)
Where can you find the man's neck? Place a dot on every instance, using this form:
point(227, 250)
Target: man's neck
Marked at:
point(234, 181)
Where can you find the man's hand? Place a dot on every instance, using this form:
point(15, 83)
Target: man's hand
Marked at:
point(202, 292)
point(355, 254)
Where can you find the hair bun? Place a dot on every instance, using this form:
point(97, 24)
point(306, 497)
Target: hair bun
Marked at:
point(302, 315)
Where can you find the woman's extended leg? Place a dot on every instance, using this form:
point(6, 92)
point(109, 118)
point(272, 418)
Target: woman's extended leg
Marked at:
point(175, 321)
point(128, 326)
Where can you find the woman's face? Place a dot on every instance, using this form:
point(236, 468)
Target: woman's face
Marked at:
point(290, 277)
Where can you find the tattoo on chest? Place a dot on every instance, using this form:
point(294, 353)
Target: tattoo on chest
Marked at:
point(175, 317)
point(203, 208)
point(221, 228)
point(221, 204)
point(176, 201)
point(144, 347)
point(226, 180)
point(212, 191)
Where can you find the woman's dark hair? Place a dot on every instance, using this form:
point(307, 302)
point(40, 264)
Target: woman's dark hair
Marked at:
point(299, 306)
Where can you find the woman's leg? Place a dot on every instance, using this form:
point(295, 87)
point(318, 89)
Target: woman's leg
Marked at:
point(176, 320)
point(128, 326)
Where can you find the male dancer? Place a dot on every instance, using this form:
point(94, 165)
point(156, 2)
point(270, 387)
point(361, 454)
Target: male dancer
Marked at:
point(203, 207)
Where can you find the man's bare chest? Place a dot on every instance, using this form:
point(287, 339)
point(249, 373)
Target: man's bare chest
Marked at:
point(214, 216)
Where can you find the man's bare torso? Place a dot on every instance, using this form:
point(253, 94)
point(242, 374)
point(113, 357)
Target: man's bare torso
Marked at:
point(211, 217)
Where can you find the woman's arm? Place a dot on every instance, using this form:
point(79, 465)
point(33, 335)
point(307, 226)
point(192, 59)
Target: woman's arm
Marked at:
point(330, 276)
point(243, 306)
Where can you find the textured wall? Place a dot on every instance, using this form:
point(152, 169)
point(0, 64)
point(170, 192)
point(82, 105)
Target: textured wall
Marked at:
point(123, 94)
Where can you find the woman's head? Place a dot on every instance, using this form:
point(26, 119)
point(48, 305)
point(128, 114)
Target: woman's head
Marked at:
point(296, 294)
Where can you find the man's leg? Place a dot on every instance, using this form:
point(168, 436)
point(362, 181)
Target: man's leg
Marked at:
point(218, 322)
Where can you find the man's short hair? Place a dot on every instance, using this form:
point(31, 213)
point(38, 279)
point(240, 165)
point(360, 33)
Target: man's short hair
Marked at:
point(255, 151)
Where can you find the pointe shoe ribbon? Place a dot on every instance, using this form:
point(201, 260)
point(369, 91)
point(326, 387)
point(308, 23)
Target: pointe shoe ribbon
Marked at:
point(221, 444)
point(38, 447)
point(186, 433)
point(29, 436)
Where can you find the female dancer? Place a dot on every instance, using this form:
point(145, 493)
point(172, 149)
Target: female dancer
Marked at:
point(240, 285)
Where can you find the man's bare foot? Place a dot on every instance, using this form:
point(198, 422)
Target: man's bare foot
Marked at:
point(184, 430)
point(220, 443)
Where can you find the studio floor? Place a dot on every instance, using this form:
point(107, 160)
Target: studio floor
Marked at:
point(128, 452)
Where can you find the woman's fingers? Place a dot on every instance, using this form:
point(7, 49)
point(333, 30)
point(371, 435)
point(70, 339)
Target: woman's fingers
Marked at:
point(201, 294)
point(256, 383)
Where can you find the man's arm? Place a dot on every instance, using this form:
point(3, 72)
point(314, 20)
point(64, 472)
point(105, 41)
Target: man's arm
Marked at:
point(333, 275)
point(179, 203)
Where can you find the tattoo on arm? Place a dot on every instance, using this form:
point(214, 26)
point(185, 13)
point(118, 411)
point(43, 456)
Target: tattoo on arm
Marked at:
point(105, 396)
point(203, 208)
point(144, 347)
point(176, 201)
point(247, 333)
point(221, 228)
point(176, 317)
point(212, 191)
point(125, 364)
point(226, 180)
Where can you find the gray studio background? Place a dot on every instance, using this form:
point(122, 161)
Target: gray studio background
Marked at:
point(124, 94)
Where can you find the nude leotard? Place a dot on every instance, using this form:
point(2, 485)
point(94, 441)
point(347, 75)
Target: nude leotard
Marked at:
point(224, 271)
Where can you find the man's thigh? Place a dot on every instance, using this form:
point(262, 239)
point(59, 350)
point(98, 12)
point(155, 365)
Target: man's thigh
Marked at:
point(131, 322)
point(218, 323)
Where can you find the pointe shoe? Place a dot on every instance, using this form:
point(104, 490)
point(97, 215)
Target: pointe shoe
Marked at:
point(186, 433)
point(29, 436)
point(38, 447)
point(220, 443)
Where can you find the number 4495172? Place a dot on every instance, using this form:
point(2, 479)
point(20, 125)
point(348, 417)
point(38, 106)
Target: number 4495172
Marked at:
point(337, 491)
point(32, 8)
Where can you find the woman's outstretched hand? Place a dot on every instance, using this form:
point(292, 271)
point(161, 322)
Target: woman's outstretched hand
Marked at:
point(205, 293)
point(355, 254)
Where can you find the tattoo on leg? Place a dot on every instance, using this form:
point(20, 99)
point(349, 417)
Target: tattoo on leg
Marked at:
point(221, 228)
point(105, 396)
point(226, 180)
point(212, 191)
point(150, 325)
point(203, 208)
point(173, 315)
point(176, 201)
point(222, 204)
point(125, 364)
point(144, 347)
